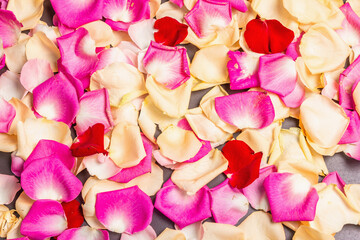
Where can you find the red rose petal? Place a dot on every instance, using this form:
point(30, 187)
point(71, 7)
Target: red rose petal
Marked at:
point(280, 37)
point(90, 142)
point(171, 32)
point(256, 36)
point(73, 213)
point(243, 163)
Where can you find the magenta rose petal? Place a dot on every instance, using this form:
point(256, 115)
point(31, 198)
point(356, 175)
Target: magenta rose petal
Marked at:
point(334, 178)
point(347, 80)
point(147, 234)
point(352, 133)
point(84, 233)
point(10, 28)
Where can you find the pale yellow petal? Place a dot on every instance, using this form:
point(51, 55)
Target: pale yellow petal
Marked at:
point(23, 204)
point(126, 147)
point(173, 103)
point(322, 49)
point(293, 225)
point(126, 113)
point(169, 9)
point(219, 231)
point(330, 81)
point(171, 234)
point(22, 113)
point(154, 7)
point(210, 64)
point(310, 81)
point(40, 46)
point(197, 174)
point(120, 36)
point(306, 233)
point(8, 220)
point(173, 137)
point(189, 4)
point(14, 232)
point(16, 55)
point(27, 12)
point(100, 32)
point(352, 192)
point(8, 142)
point(259, 226)
point(355, 5)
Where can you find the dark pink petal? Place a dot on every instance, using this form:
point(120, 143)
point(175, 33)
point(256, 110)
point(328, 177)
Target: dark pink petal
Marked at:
point(228, 204)
point(9, 186)
point(126, 210)
point(255, 192)
point(246, 109)
point(334, 178)
point(350, 27)
point(180, 3)
point(112, 55)
point(7, 115)
point(168, 65)
point(94, 108)
point(45, 219)
point(352, 133)
point(277, 73)
point(78, 56)
point(293, 48)
point(291, 197)
point(77, 13)
point(347, 81)
point(353, 150)
point(44, 179)
point(10, 28)
point(127, 174)
point(17, 164)
point(296, 97)
point(2, 55)
point(243, 70)
point(34, 72)
point(3, 4)
point(238, 5)
point(48, 150)
point(57, 100)
point(84, 233)
point(181, 208)
point(208, 15)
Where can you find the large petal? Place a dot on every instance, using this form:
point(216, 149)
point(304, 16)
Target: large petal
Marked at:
point(246, 110)
point(127, 210)
point(84, 233)
point(167, 65)
point(100, 165)
point(304, 232)
point(46, 218)
point(10, 28)
point(142, 33)
point(35, 72)
point(75, 14)
point(9, 187)
point(147, 234)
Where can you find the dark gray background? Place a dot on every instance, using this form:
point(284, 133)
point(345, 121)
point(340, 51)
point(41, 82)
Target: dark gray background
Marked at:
point(348, 168)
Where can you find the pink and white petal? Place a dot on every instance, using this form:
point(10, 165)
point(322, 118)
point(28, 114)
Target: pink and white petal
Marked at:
point(207, 16)
point(9, 187)
point(166, 162)
point(10, 86)
point(75, 14)
point(94, 108)
point(228, 205)
point(34, 72)
point(7, 115)
point(334, 178)
point(78, 56)
point(180, 3)
point(277, 73)
point(57, 100)
point(194, 231)
point(255, 192)
point(168, 65)
point(111, 55)
point(45, 219)
point(347, 82)
point(246, 110)
point(127, 174)
point(356, 96)
point(350, 27)
point(239, 5)
point(126, 210)
point(84, 233)
point(142, 33)
point(331, 81)
point(2, 55)
point(296, 97)
point(243, 70)
point(44, 179)
point(17, 164)
point(352, 133)
point(293, 49)
point(100, 32)
point(181, 208)
point(131, 51)
point(10, 28)
point(291, 197)
point(100, 166)
point(147, 234)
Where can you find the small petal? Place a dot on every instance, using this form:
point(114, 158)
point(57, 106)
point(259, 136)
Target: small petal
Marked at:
point(9, 187)
point(35, 72)
point(10, 86)
point(84, 233)
point(352, 133)
point(170, 31)
point(142, 33)
point(17, 164)
point(10, 28)
point(147, 234)
point(7, 115)
point(334, 178)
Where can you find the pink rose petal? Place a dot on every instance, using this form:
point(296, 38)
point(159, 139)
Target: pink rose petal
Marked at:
point(45, 219)
point(347, 81)
point(228, 204)
point(57, 100)
point(7, 115)
point(180, 3)
point(255, 192)
point(112, 55)
point(100, 165)
point(352, 133)
point(181, 208)
point(246, 109)
point(277, 73)
point(94, 108)
point(238, 5)
point(147, 234)
point(77, 13)
point(296, 97)
point(334, 178)
point(84, 233)
point(17, 164)
point(168, 65)
point(208, 15)
point(293, 48)
point(122, 13)
point(34, 72)
point(78, 56)
point(9, 186)
point(243, 70)
point(353, 150)
point(2, 55)
point(50, 179)
point(126, 210)
point(142, 33)
point(350, 27)
point(10, 28)
point(291, 197)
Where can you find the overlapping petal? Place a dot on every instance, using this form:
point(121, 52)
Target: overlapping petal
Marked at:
point(84, 233)
point(34, 72)
point(7, 115)
point(10, 28)
point(347, 82)
point(10, 186)
point(170, 31)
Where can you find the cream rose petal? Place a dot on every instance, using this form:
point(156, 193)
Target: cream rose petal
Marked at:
point(100, 32)
point(219, 231)
point(27, 12)
point(305, 233)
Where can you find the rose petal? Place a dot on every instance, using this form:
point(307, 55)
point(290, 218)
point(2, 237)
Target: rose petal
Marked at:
point(10, 28)
point(142, 33)
point(305, 232)
point(17, 164)
point(45, 219)
point(10, 186)
point(218, 231)
point(334, 178)
point(347, 83)
point(35, 72)
point(295, 98)
point(84, 233)
point(7, 115)
point(127, 210)
point(246, 110)
point(350, 31)
point(147, 234)
point(170, 31)
point(352, 133)
point(10, 86)
point(100, 32)
point(171, 234)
